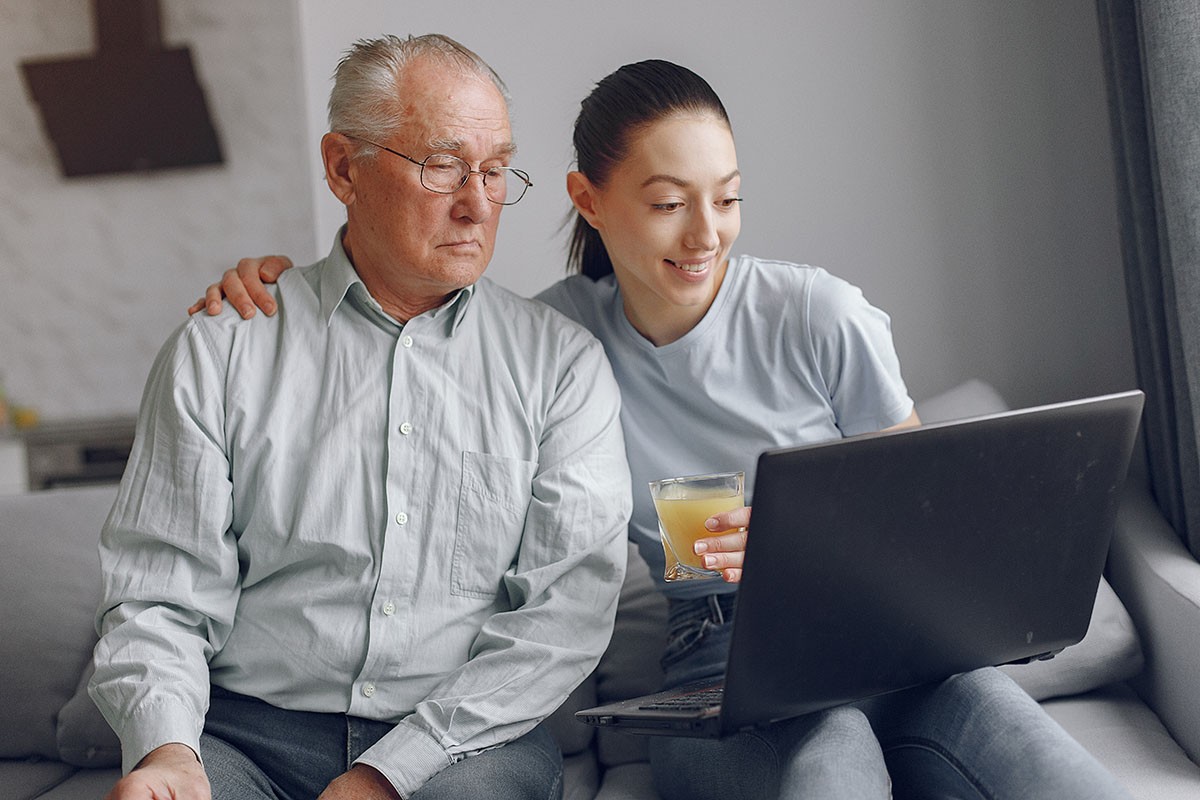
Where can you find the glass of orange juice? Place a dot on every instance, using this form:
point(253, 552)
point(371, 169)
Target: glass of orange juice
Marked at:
point(683, 504)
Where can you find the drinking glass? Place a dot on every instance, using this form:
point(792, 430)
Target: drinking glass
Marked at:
point(683, 504)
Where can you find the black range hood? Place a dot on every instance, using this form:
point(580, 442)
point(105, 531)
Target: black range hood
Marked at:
point(132, 106)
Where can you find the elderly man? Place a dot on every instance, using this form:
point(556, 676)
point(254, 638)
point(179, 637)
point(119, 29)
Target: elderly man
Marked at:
point(364, 546)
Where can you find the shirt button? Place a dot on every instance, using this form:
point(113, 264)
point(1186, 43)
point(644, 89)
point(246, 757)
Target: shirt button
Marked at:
point(368, 690)
point(389, 608)
point(402, 518)
point(406, 340)
point(406, 428)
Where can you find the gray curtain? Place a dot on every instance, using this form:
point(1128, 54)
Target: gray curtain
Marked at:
point(1151, 51)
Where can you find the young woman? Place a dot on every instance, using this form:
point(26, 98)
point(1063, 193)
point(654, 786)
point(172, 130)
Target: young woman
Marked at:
point(718, 358)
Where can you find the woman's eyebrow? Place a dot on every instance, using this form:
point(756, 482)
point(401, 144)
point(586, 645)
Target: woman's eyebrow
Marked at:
point(680, 182)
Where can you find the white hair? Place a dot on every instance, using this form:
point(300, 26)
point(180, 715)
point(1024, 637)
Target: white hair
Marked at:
point(365, 101)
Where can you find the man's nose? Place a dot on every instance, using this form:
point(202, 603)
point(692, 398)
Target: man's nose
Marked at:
point(471, 199)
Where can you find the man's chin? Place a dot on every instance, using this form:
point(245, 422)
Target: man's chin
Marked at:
point(461, 271)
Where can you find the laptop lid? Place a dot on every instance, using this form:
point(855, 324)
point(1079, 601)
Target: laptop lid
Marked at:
point(883, 561)
point(880, 562)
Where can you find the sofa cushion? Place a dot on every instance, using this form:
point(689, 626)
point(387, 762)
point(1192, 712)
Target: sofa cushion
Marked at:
point(32, 778)
point(1109, 652)
point(1115, 726)
point(971, 398)
point(630, 666)
point(85, 784)
point(84, 738)
point(572, 737)
point(628, 782)
point(49, 590)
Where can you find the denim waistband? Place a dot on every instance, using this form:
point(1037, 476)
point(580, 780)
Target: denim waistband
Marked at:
point(716, 608)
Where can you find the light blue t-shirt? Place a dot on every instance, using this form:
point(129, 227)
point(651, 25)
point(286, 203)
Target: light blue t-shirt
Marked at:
point(786, 355)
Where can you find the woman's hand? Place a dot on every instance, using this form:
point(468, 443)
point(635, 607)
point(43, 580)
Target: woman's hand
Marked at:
point(245, 287)
point(724, 553)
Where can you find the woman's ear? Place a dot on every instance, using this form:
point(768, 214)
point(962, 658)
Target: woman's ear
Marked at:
point(336, 150)
point(584, 196)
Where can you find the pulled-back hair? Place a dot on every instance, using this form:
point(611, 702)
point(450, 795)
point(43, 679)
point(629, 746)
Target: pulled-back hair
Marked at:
point(365, 102)
point(628, 100)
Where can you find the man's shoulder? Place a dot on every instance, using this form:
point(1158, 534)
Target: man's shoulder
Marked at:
point(296, 286)
point(532, 310)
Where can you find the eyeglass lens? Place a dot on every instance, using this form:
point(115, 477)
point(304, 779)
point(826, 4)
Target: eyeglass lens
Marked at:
point(447, 173)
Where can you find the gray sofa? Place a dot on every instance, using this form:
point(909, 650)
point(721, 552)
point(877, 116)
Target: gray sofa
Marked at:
point(1128, 692)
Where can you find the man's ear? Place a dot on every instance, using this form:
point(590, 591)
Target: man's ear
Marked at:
point(584, 196)
point(336, 150)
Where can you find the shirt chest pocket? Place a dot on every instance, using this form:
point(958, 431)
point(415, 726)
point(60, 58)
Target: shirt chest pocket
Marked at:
point(492, 503)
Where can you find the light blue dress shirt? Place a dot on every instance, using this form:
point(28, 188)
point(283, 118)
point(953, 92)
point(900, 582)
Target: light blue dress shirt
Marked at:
point(333, 512)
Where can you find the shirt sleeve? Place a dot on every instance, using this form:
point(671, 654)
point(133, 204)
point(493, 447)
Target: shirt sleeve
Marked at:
point(169, 563)
point(853, 348)
point(563, 592)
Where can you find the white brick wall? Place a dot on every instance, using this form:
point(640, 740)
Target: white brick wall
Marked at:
point(96, 272)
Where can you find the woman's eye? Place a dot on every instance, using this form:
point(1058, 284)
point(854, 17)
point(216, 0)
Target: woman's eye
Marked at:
point(729, 202)
point(667, 206)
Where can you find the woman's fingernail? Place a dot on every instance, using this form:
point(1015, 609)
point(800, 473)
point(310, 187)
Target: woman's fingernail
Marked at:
point(711, 523)
point(699, 547)
point(709, 562)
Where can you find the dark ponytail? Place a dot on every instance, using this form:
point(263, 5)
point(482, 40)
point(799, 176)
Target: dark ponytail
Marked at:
point(633, 97)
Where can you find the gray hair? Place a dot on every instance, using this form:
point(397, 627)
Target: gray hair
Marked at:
point(365, 101)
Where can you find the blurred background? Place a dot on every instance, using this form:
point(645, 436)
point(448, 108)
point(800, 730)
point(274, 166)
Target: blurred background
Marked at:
point(950, 157)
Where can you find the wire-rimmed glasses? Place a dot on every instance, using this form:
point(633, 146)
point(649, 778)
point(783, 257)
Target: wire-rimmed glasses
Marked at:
point(446, 174)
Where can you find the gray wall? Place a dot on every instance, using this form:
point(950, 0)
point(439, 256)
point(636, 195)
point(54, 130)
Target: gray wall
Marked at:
point(951, 157)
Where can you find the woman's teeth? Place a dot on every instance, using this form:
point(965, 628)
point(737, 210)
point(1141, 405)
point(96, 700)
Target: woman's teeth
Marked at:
point(689, 267)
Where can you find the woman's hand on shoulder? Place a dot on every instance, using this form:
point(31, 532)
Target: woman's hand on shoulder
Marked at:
point(724, 552)
point(245, 287)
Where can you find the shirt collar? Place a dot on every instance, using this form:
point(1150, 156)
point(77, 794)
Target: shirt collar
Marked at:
point(339, 279)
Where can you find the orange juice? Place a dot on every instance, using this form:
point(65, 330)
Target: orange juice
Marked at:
point(682, 521)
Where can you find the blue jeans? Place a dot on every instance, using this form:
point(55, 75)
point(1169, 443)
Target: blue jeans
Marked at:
point(255, 751)
point(975, 735)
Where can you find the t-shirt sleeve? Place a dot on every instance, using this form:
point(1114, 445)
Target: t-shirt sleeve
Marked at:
point(853, 348)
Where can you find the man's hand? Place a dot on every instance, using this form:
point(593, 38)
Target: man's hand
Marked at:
point(360, 783)
point(244, 287)
point(170, 772)
point(724, 553)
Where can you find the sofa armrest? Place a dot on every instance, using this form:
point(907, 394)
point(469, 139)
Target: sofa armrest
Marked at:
point(1159, 582)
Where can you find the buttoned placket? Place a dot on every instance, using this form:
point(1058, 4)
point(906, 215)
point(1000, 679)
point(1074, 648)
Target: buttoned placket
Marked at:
point(389, 624)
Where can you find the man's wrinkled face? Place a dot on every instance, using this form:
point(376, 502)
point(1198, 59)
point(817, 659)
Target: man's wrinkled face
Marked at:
point(427, 243)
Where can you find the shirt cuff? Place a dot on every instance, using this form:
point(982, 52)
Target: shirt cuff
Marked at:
point(408, 757)
point(150, 727)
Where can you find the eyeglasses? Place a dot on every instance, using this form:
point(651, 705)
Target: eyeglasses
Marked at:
point(446, 174)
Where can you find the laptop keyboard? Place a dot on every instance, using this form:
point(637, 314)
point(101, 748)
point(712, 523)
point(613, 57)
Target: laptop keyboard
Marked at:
point(704, 698)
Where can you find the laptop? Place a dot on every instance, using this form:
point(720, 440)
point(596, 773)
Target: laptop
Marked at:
point(884, 561)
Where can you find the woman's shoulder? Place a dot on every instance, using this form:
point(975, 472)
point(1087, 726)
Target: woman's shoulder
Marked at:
point(768, 282)
point(810, 300)
point(813, 284)
point(580, 298)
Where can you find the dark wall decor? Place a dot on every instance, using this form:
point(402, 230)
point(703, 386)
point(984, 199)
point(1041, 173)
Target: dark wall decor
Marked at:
point(133, 105)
